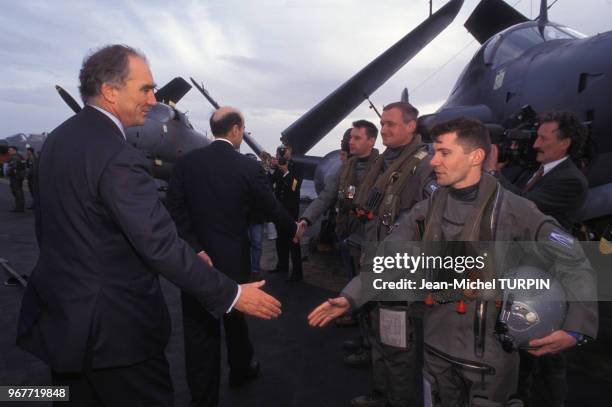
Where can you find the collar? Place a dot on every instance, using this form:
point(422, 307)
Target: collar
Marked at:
point(391, 153)
point(549, 166)
point(226, 140)
point(112, 117)
point(467, 194)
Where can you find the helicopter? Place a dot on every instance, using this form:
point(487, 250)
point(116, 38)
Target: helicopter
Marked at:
point(523, 68)
point(166, 133)
point(528, 67)
point(22, 142)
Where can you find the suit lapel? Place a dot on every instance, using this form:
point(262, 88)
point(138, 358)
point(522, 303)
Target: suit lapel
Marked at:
point(564, 165)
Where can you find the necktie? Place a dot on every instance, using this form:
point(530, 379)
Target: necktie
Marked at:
point(536, 177)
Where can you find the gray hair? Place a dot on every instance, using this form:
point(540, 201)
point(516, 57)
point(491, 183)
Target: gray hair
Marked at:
point(108, 64)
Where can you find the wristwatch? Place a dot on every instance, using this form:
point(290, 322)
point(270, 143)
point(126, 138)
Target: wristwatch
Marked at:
point(580, 338)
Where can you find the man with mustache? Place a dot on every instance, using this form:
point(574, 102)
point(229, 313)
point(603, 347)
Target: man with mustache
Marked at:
point(558, 188)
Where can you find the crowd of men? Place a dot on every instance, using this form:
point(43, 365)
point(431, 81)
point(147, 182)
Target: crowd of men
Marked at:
point(471, 200)
point(94, 312)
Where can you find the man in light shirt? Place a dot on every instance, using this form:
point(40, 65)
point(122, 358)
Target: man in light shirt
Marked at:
point(94, 310)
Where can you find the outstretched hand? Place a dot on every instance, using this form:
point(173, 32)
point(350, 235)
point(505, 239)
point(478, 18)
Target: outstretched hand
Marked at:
point(256, 302)
point(328, 311)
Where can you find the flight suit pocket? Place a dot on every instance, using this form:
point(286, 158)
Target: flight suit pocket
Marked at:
point(393, 327)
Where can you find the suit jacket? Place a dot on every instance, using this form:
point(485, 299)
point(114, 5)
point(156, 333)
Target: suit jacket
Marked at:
point(211, 194)
point(104, 236)
point(559, 193)
point(287, 188)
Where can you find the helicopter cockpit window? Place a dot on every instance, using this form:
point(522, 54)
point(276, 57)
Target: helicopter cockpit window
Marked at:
point(161, 113)
point(571, 32)
point(507, 46)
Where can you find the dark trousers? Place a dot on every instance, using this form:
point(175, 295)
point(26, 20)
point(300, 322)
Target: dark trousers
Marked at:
point(542, 380)
point(348, 262)
point(17, 190)
point(283, 247)
point(144, 384)
point(397, 372)
point(202, 334)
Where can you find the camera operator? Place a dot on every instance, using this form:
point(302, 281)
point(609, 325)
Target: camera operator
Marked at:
point(558, 188)
point(287, 183)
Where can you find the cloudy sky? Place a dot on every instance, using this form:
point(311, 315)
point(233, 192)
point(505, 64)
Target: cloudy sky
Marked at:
point(274, 59)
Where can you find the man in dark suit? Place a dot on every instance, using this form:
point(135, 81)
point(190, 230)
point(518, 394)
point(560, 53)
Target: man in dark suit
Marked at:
point(287, 182)
point(211, 194)
point(93, 309)
point(558, 188)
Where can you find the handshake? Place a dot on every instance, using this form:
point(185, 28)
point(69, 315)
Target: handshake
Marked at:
point(254, 301)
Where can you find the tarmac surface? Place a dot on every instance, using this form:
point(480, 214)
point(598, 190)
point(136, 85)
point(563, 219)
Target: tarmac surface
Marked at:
point(301, 366)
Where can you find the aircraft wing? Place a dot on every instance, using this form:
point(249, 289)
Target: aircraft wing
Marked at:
point(490, 17)
point(309, 129)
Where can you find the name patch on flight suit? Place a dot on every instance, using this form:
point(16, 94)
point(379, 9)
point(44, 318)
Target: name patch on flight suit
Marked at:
point(392, 327)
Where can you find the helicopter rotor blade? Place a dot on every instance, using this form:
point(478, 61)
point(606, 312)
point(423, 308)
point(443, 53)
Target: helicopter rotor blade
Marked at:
point(69, 100)
point(204, 92)
point(173, 91)
point(311, 127)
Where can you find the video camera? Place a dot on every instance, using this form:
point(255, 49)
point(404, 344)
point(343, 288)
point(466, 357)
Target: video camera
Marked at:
point(280, 153)
point(515, 139)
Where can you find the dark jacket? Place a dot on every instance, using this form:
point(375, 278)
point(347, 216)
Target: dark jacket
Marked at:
point(16, 167)
point(559, 193)
point(517, 220)
point(287, 188)
point(211, 194)
point(104, 238)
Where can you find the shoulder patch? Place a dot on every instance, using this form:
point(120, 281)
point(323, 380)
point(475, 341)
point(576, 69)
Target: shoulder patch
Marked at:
point(421, 154)
point(561, 237)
